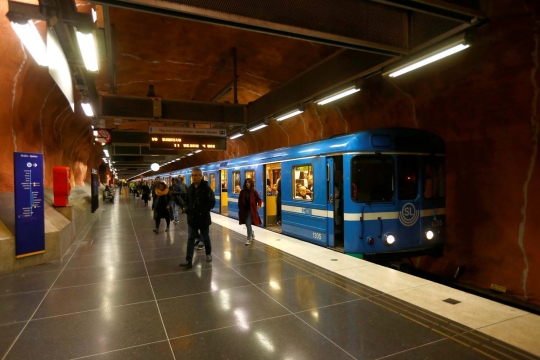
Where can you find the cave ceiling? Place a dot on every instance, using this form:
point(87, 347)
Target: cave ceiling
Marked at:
point(286, 53)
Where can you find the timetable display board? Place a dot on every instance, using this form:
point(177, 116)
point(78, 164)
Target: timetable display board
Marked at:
point(187, 142)
point(29, 204)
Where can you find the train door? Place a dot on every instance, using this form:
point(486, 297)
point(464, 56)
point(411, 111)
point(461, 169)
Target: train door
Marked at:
point(224, 195)
point(258, 180)
point(335, 202)
point(409, 204)
point(235, 186)
point(212, 182)
point(272, 174)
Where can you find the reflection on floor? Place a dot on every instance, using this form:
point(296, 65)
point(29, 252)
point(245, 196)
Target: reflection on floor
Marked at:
point(120, 294)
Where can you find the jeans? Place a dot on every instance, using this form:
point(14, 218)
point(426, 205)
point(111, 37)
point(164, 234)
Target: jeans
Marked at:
point(249, 221)
point(175, 211)
point(192, 234)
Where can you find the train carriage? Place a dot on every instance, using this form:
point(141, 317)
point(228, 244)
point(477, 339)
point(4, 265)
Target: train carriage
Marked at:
point(372, 192)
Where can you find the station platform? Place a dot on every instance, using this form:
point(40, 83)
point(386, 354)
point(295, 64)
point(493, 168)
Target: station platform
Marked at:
point(119, 293)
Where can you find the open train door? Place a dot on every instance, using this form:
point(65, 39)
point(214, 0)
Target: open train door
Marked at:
point(334, 209)
point(224, 194)
point(272, 174)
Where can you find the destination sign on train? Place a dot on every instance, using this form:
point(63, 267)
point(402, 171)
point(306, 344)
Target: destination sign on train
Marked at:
point(187, 142)
point(171, 130)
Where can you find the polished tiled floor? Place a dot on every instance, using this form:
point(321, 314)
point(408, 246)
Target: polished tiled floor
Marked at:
point(120, 294)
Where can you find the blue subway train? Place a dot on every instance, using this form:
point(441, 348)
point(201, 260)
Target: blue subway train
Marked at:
point(376, 192)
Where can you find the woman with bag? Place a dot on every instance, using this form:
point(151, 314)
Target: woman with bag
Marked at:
point(249, 202)
point(145, 193)
point(161, 206)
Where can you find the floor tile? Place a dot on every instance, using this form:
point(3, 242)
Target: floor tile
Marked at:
point(104, 260)
point(472, 311)
point(303, 293)
point(442, 349)
point(243, 256)
point(273, 270)
point(164, 253)
point(161, 243)
point(8, 334)
point(156, 351)
point(52, 266)
point(84, 276)
point(280, 338)
point(106, 249)
point(357, 326)
point(190, 314)
point(88, 333)
point(198, 281)
point(27, 282)
point(170, 266)
point(90, 297)
point(523, 332)
point(19, 307)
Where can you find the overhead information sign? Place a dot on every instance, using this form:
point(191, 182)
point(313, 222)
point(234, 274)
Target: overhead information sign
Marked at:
point(29, 205)
point(156, 130)
point(187, 142)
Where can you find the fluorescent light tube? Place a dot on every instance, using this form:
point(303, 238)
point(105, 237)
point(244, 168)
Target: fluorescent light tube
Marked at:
point(236, 136)
point(88, 49)
point(430, 59)
point(189, 154)
point(32, 41)
point(288, 115)
point(197, 151)
point(338, 95)
point(258, 127)
point(87, 109)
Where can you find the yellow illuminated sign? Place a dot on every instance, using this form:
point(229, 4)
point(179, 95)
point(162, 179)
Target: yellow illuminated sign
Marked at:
point(188, 142)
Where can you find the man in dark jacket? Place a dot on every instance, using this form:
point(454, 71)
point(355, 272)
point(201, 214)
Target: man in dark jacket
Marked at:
point(200, 199)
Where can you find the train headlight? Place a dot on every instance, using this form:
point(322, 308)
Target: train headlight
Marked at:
point(389, 239)
point(429, 234)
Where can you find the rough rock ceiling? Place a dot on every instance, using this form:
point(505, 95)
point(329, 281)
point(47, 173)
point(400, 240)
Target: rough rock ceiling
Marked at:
point(160, 44)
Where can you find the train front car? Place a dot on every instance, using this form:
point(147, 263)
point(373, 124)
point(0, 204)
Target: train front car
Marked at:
point(394, 205)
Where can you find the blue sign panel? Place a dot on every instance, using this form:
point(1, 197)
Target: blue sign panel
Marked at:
point(29, 204)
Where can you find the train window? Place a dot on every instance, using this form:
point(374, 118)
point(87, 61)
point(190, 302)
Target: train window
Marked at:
point(250, 174)
point(213, 182)
point(407, 177)
point(303, 182)
point(434, 184)
point(372, 178)
point(237, 185)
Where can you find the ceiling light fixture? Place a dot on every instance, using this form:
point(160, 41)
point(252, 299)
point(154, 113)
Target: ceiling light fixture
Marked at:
point(189, 154)
point(32, 41)
point(154, 166)
point(87, 108)
point(258, 127)
point(340, 94)
point(427, 56)
point(198, 151)
point(235, 136)
point(289, 114)
point(88, 48)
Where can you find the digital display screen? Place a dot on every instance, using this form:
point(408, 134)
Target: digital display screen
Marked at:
point(186, 142)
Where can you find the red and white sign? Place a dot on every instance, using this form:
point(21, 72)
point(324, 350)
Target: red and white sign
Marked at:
point(103, 136)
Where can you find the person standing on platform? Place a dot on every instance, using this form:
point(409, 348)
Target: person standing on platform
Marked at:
point(278, 201)
point(200, 199)
point(161, 206)
point(145, 192)
point(249, 202)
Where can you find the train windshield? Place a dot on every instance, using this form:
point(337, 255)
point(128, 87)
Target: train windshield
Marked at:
point(372, 178)
point(434, 183)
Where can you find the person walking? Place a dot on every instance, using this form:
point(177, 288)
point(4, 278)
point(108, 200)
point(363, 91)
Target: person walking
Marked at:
point(200, 199)
point(161, 206)
point(249, 202)
point(145, 193)
point(177, 200)
point(278, 201)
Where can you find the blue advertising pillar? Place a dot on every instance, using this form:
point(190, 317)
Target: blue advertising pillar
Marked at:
point(29, 205)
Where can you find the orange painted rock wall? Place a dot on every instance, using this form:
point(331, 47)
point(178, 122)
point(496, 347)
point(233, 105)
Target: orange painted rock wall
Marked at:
point(35, 116)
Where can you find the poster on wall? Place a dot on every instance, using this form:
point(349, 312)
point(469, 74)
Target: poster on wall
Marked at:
point(29, 204)
point(95, 190)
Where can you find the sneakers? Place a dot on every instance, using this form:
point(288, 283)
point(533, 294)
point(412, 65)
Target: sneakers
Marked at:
point(187, 264)
point(208, 257)
point(167, 229)
point(201, 246)
point(155, 230)
point(279, 222)
point(253, 236)
point(175, 222)
point(197, 241)
point(248, 242)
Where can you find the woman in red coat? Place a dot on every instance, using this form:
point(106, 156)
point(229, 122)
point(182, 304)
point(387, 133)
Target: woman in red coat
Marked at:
point(249, 202)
